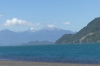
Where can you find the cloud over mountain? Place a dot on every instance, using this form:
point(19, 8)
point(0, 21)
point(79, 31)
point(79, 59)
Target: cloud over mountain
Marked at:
point(18, 22)
point(66, 23)
point(51, 25)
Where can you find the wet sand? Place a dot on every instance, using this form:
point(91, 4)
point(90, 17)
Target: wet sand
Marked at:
point(23, 63)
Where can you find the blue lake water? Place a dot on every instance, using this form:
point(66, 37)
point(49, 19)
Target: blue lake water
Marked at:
point(70, 53)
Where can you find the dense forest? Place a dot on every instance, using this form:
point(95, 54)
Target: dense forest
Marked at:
point(89, 34)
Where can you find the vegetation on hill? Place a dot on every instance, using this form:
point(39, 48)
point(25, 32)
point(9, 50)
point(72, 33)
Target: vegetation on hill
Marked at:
point(38, 42)
point(89, 34)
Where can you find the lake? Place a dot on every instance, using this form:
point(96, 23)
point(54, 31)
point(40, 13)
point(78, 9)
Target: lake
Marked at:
point(69, 53)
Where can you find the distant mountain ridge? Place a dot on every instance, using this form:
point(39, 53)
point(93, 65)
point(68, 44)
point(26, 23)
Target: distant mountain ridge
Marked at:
point(8, 37)
point(45, 42)
point(89, 34)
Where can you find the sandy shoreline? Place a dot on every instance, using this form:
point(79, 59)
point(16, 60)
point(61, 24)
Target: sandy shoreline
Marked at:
point(23, 63)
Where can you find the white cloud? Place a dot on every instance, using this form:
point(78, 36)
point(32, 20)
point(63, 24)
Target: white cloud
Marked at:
point(1, 15)
point(17, 22)
point(51, 25)
point(31, 29)
point(66, 23)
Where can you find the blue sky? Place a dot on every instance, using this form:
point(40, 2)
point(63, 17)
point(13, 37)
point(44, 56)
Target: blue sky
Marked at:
point(20, 15)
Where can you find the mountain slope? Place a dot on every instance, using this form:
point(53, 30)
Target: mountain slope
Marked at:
point(38, 43)
point(8, 37)
point(89, 34)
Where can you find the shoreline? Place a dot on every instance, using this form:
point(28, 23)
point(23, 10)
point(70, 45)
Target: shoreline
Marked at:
point(25, 63)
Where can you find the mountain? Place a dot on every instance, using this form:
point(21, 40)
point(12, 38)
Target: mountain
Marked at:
point(38, 43)
point(89, 34)
point(8, 37)
point(51, 34)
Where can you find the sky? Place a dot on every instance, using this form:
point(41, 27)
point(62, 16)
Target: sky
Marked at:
point(20, 15)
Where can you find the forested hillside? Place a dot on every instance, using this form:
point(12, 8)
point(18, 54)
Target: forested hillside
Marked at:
point(89, 34)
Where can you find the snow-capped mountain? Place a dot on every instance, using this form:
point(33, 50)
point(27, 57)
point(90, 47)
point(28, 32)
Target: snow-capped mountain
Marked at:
point(8, 37)
point(32, 29)
point(50, 28)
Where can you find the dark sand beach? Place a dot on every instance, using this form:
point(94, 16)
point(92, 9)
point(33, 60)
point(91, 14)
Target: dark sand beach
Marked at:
point(23, 63)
